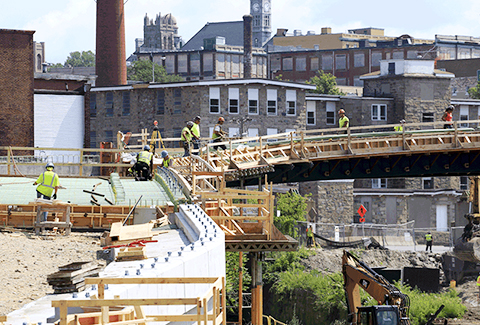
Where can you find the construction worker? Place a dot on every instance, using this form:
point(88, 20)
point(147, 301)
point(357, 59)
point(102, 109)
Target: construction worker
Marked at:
point(309, 236)
point(448, 117)
point(167, 160)
point(48, 183)
point(219, 134)
point(429, 241)
point(187, 138)
point(343, 121)
point(196, 132)
point(144, 164)
point(155, 135)
point(399, 128)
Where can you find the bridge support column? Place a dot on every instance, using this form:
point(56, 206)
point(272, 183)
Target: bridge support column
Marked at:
point(257, 288)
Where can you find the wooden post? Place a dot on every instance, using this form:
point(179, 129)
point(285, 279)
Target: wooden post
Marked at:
point(8, 162)
point(291, 144)
point(302, 142)
point(240, 287)
point(80, 165)
point(231, 150)
point(455, 125)
point(261, 148)
point(63, 312)
point(224, 301)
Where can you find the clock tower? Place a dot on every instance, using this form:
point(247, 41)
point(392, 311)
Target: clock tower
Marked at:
point(262, 29)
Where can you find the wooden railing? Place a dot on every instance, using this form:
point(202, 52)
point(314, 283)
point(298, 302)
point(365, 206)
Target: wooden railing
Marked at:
point(134, 312)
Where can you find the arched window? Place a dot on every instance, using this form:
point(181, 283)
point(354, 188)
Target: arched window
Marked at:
point(39, 62)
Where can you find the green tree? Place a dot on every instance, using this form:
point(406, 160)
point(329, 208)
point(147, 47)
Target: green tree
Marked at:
point(55, 65)
point(142, 71)
point(80, 59)
point(326, 84)
point(292, 208)
point(474, 92)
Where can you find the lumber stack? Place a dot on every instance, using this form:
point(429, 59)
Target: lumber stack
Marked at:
point(71, 277)
point(131, 253)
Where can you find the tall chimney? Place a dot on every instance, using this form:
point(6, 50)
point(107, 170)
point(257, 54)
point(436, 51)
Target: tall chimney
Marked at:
point(247, 46)
point(111, 66)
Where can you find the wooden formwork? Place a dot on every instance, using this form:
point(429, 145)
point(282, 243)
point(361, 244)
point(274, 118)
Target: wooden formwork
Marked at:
point(134, 313)
point(81, 216)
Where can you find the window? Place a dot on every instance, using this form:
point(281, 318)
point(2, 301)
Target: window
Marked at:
point(126, 104)
point(235, 64)
point(221, 62)
point(357, 82)
point(379, 112)
point(376, 57)
point(379, 183)
point(359, 60)
point(93, 139)
point(341, 81)
point(427, 183)
point(253, 101)
point(109, 104)
point(215, 100)
point(161, 102)
point(327, 62)
point(271, 102)
point(233, 97)
point(195, 63)
point(311, 119)
point(340, 62)
point(330, 113)
point(391, 68)
point(398, 55)
point(275, 64)
point(207, 62)
point(182, 61)
point(464, 183)
point(428, 117)
point(412, 55)
point(252, 132)
point(314, 66)
point(108, 136)
point(170, 64)
point(291, 102)
point(93, 105)
point(287, 64)
point(234, 132)
point(301, 64)
point(271, 131)
point(177, 94)
point(464, 116)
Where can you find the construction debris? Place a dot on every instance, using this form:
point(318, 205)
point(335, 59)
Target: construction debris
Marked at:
point(71, 277)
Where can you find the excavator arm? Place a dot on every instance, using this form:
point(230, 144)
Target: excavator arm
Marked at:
point(356, 275)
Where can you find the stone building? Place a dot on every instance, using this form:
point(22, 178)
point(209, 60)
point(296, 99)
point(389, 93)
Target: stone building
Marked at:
point(161, 34)
point(410, 89)
point(39, 56)
point(271, 107)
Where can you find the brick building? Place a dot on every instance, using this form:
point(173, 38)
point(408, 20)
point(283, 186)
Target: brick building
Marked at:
point(271, 106)
point(16, 88)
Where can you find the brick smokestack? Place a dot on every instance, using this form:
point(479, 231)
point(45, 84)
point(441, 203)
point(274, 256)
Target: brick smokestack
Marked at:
point(111, 67)
point(247, 46)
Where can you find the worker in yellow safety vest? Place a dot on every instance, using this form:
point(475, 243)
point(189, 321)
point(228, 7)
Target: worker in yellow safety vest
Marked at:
point(343, 120)
point(429, 241)
point(218, 134)
point(196, 132)
point(48, 183)
point(144, 164)
point(187, 138)
point(167, 160)
point(399, 128)
point(309, 236)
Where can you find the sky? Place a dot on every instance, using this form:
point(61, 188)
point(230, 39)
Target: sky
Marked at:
point(69, 25)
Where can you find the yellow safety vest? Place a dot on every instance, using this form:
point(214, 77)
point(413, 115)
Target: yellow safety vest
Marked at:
point(309, 232)
point(145, 157)
point(214, 135)
point(189, 134)
point(195, 129)
point(428, 237)
point(398, 128)
point(478, 281)
point(166, 162)
point(342, 120)
point(47, 181)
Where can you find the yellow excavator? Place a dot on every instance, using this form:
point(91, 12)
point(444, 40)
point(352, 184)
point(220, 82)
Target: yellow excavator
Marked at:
point(467, 247)
point(393, 305)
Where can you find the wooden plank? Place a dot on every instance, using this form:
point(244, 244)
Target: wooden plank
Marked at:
point(186, 280)
point(125, 302)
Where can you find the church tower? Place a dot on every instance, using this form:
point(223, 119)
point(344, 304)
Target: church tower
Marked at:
point(262, 29)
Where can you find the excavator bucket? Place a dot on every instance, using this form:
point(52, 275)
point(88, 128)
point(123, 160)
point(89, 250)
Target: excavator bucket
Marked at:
point(468, 251)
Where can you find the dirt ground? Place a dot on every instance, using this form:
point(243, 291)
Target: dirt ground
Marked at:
point(26, 260)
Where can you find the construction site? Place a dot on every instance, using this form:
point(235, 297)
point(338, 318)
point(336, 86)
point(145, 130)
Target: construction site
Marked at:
point(165, 239)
